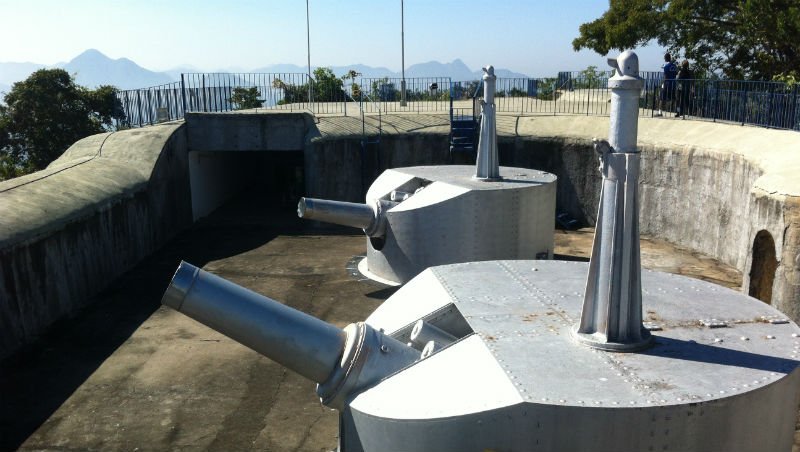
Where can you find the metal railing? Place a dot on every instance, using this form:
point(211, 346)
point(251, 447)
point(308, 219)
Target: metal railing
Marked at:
point(149, 106)
point(424, 94)
point(365, 102)
point(765, 104)
point(214, 92)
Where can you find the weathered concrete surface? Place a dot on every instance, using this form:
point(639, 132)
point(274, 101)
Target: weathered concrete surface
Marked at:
point(126, 373)
point(248, 131)
point(67, 231)
point(338, 166)
point(657, 255)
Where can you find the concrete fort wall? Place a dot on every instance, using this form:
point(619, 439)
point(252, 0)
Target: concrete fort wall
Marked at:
point(69, 230)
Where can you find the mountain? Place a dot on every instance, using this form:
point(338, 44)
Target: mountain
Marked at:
point(502, 73)
point(282, 69)
point(456, 70)
point(365, 71)
point(175, 73)
point(92, 69)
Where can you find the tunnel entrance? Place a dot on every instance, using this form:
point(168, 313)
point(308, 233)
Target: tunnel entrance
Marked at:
point(762, 270)
point(278, 178)
point(274, 178)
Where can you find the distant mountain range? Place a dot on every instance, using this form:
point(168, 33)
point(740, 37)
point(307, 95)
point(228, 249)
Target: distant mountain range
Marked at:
point(91, 69)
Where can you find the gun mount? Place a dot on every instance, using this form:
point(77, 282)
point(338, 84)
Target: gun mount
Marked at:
point(541, 355)
point(422, 216)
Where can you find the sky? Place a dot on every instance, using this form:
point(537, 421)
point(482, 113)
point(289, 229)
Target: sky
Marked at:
point(529, 36)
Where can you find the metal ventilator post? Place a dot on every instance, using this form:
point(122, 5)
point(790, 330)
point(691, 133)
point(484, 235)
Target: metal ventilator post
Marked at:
point(487, 164)
point(612, 308)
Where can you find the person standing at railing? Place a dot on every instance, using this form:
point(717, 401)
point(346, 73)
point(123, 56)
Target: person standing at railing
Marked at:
point(668, 85)
point(685, 89)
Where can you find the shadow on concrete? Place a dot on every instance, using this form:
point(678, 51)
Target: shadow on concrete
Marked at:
point(38, 379)
point(384, 293)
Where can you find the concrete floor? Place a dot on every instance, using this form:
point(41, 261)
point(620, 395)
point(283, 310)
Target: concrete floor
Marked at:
point(127, 374)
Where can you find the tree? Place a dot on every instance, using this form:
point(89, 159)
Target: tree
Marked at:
point(326, 87)
point(738, 39)
point(47, 112)
point(245, 98)
point(355, 89)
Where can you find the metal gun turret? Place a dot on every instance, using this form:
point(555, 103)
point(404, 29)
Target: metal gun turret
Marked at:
point(342, 361)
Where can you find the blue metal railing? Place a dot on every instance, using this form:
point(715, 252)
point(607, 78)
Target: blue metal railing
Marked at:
point(764, 104)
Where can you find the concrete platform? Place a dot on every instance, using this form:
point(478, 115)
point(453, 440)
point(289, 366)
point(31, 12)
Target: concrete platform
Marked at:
point(127, 374)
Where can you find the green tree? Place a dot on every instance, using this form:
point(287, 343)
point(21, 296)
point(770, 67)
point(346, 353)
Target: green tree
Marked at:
point(355, 89)
point(245, 98)
point(546, 89)
point(326, 87)
point(47, 112)
point(739, 39)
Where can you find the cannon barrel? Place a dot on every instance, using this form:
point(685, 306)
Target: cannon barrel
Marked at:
point(305, 344)
point(368, 218)
point(342, 362)
point(337, 212)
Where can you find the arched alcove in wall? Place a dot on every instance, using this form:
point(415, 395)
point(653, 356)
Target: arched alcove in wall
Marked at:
point(762, 270)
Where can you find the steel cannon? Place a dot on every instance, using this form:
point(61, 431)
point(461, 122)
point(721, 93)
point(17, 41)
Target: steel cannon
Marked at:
point(369, 217)
point(423, 216)
point(341, 361)
point(419, 217)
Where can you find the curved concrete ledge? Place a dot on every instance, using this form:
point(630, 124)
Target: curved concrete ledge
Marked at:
point(67, 231)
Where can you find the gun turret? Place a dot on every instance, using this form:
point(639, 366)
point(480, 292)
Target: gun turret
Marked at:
point(369, 218)
point(342, 362)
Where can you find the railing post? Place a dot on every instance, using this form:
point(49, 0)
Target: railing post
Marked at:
point(451, 108)
point(744, 105)
point(310, 92)
point(588, 96)
point(205, 96)
point(793, 110)
point(654, 85)
point(150, 110)
point(770, 109)
point(139, 106)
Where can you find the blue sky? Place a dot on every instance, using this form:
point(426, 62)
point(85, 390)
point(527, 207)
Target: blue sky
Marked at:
point(533, 37)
